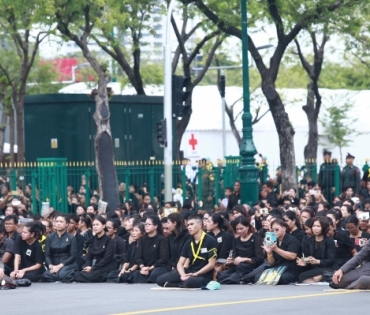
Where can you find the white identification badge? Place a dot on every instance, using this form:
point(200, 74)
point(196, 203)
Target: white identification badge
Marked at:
point(219, 239)
point(203, 250)
point(28, 252)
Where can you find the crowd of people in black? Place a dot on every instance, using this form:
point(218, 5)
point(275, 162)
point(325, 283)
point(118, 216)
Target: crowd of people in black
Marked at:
point(303, 240)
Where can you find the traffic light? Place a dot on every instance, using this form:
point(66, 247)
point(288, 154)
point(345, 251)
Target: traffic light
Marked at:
point(179, 96)
point(162, 132)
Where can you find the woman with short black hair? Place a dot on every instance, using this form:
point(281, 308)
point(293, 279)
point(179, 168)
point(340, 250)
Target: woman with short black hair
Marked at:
point(318, 252)
point(358, 237)
point(283, 253)
point(60, 252)
point(100, 254)
point(152, 255)
point(29, 257)
point(294, 225)
point(247, 253)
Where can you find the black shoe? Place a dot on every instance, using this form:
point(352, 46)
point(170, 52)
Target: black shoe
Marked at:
point(334, 286)
point(8, 286)
point(23, 282)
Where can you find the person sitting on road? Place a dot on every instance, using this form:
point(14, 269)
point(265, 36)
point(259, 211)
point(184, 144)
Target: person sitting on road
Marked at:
point(358, 237)
point(284, 253)
point(129, 266)
point(152, 255)
point(318, 252)
point(246, 254)
point(201, 252)
point(29, 257)
point(99, 258)
point(7, 249)
point(355, 273)
point(60, 252)
point(120, 246)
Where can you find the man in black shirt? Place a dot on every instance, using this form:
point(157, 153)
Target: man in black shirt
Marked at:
point(197, 260)
point(6, 251)
point(11, 224)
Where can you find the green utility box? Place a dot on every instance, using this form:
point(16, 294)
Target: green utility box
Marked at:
point(62, 125)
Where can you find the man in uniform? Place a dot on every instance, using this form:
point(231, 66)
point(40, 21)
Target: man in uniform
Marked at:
point(326, 177)
point(350, 176)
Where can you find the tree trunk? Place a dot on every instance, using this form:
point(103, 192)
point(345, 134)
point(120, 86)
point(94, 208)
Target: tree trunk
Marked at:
point(19, 114)
point(286, 135)
point(11, 134)
point(3, 122)
point(310, 150)
point(182, 124)
point(104, 155)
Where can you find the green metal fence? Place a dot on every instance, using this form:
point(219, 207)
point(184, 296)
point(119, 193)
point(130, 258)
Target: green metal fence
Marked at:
point(49, 179)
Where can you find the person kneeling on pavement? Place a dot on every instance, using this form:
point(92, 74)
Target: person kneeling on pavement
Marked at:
point(197, 259)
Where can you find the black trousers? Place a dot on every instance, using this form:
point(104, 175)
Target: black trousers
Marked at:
point(173, 279)
point(313, 272)
point(113, 277)
point(66, 271)
point(34, 275)
point(137, 277)
point(234, 274)
point(99, 275)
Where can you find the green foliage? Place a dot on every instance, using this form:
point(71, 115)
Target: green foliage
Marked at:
point(338, 126)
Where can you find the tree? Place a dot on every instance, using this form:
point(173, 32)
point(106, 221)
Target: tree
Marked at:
point(76, 21)
point(337, 127)
point(22, 41)
point(288, 22)
point(313, 101)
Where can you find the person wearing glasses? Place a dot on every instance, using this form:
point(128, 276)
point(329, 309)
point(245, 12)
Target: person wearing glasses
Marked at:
point(152, 255)
point(284, 252)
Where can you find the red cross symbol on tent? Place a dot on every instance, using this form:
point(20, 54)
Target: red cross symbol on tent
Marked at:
point(193, 142)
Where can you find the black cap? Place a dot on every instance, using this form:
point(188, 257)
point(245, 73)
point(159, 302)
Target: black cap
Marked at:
point(326, 152)
point(349, 156)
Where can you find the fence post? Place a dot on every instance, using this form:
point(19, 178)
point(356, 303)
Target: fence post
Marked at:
point(336, 181)
point(200, 183)
point(87, 188)
point(13, 180)
point(127, 183)
point(151, 182)
point(217, 184)
point(183, 182)
point(33, 192)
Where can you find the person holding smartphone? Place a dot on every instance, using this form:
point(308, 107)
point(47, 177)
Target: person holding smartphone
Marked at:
point(283, 253)
point(318, 252)
point(358, 237)
point(247, 253)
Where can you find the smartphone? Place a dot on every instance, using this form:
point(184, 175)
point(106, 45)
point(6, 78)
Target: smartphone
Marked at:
point(312, 192)
point(360, 241)
point(231, 254)
point(270, 238)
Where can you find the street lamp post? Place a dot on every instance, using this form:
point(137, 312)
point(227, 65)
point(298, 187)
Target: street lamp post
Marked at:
point(248, 172)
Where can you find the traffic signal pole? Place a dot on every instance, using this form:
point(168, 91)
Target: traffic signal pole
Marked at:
point(167, 106)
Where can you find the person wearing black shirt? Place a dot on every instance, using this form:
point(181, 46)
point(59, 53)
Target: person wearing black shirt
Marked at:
point(73, 220)
point(179, 235)
point(60, 252)
point(359, 238)
point(120, 249)
point(234, 198)
point(201, 253)
point(294, 226)
point(344, 247)
point(11, 224)
point(129, 266)
point(99, 258)
point(318, 252)
point(247, 253)
point(7, 248)
point(29, 257)
point(284, 253)
point(152, 255)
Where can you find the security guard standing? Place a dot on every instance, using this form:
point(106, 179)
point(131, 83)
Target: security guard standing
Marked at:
point(327, 177)
point(208, 186)
point(350, 176)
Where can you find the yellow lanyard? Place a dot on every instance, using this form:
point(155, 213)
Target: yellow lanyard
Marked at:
point(196, 254)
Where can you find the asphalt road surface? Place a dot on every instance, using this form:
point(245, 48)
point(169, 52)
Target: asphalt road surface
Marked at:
point(124, 299)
